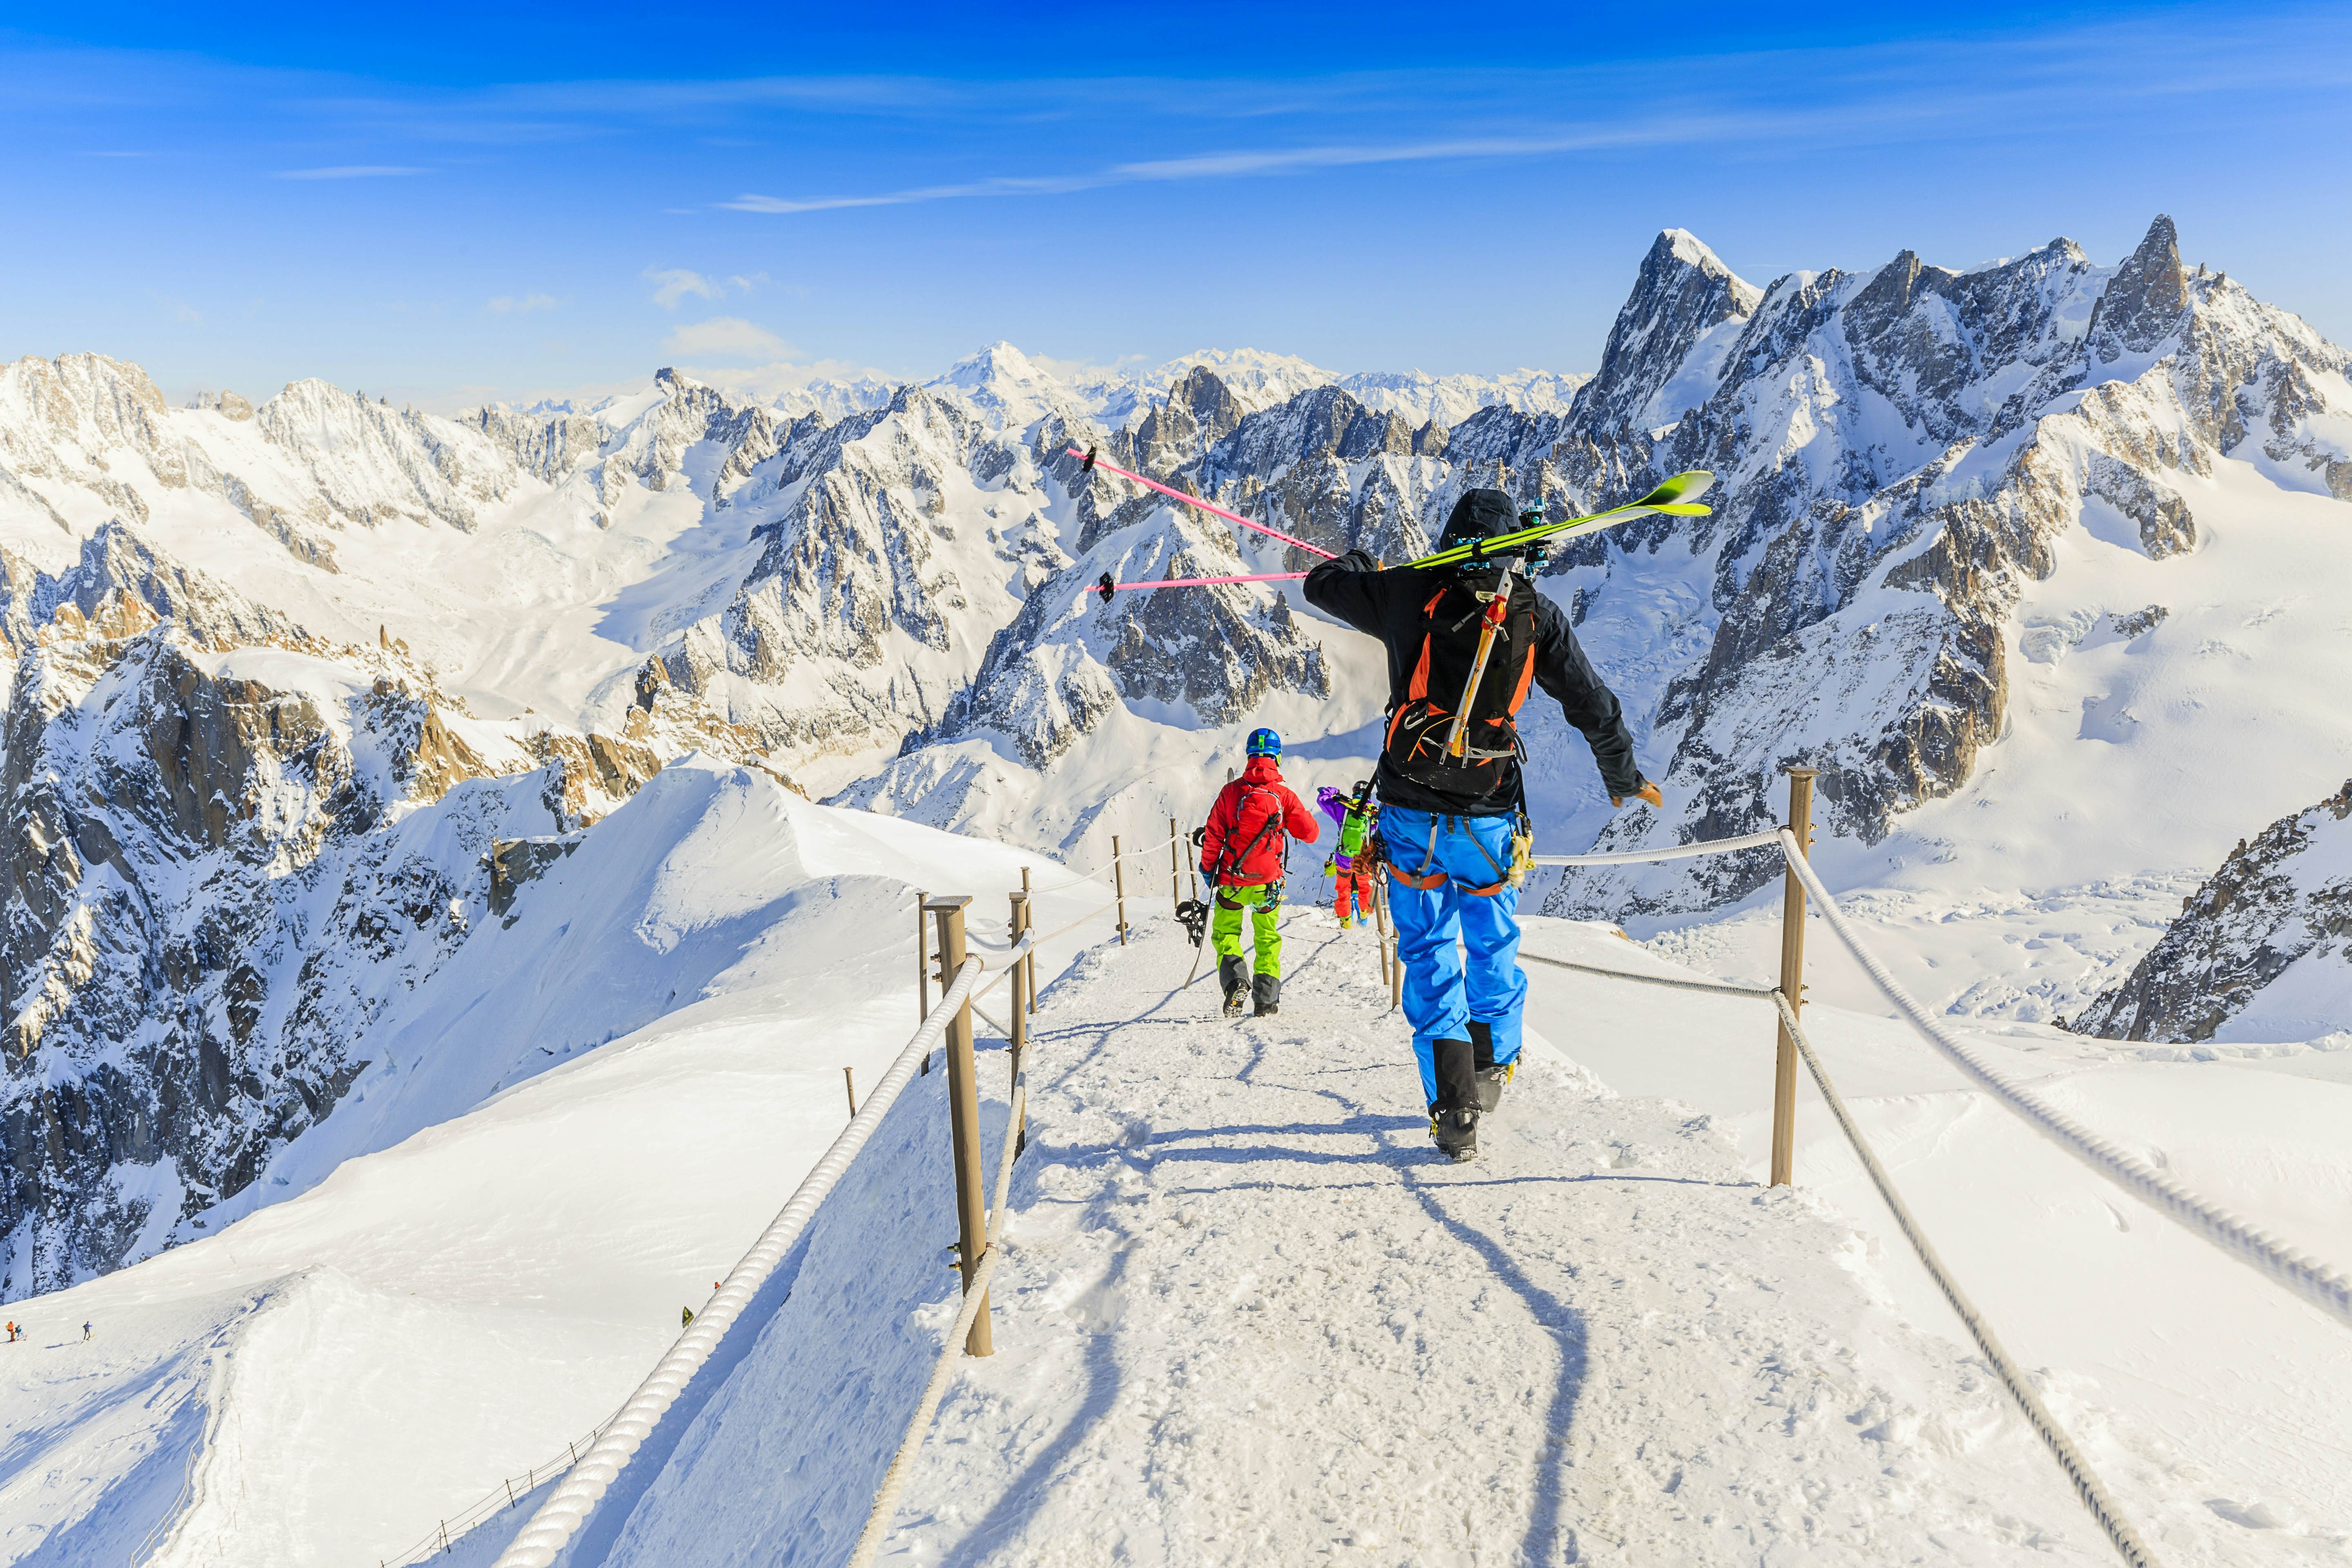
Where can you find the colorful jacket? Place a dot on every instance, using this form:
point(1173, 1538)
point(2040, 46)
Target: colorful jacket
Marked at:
point(1244, 843)
point(1354, 820)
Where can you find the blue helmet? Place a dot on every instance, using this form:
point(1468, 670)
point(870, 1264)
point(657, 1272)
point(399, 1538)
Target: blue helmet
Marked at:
point(1264, 744)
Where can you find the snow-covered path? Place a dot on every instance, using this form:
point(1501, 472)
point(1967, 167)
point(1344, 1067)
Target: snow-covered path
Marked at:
point(1248, 1315)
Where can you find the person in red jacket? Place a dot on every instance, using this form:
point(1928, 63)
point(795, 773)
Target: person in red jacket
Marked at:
point(1243, 853)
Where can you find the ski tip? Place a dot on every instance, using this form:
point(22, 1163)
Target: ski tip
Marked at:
point(1106, 587)
point(1686, 486)
point(1087, 468)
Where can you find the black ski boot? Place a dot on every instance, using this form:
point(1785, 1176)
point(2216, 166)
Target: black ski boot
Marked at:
point(1266, 991)
point(1234, 979)
point(1453, 1119)
point(1491, 1079)
point(1455, 1134)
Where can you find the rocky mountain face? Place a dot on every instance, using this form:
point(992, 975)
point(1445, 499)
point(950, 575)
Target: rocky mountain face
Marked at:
point(2282, 902)
point(224, 846)
point(1896, 453)
point(240, 819)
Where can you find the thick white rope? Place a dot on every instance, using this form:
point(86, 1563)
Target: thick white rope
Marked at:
point(1669, 852)
point(2087, 1485)
point(902, 1462)
point(570, 1504)
point(1716, 987)
point(2307, 1277)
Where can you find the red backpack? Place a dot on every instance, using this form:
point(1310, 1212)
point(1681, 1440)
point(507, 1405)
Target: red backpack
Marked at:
point(1421, 744)
point(1235, 861)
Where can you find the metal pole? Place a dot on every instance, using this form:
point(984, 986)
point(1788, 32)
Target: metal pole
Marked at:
point(1118, 881)
point(1020, 1133)
point(1030, 963)
point(922, 960)
point(850, 1082)
point(963, 1102)
point(1175, 865)
point(1793, 982)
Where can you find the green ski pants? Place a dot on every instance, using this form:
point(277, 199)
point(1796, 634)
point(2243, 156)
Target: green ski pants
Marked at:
point(1264, 906)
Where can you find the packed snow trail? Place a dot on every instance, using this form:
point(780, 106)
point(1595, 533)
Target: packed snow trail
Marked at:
point(1247, 1314)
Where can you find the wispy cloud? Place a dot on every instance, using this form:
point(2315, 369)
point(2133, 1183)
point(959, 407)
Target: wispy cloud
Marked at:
point(672, 284)
point(349, 171)
point(730, 337)
point(519, 305)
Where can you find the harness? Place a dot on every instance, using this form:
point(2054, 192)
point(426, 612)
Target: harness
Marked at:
point(1522, 842)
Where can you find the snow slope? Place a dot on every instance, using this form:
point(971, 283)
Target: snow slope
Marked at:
point(580, 1123)
point(1246, 1315)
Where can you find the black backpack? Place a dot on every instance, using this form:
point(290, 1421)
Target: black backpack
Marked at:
point(1420, 728)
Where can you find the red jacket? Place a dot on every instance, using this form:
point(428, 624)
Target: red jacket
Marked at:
point(1243, 846)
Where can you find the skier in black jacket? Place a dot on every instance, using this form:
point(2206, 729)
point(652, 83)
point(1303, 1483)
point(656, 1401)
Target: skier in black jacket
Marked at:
point(1448, 833)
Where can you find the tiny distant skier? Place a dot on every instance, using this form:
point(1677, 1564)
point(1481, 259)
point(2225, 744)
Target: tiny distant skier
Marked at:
point(1353, 815)
point(1453, 803)
point(85, 1330)
point(1244, 851)
point(686, 1316)
point(11, 1334)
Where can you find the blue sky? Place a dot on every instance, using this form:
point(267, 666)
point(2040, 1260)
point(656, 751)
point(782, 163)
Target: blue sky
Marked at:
point(449, 205)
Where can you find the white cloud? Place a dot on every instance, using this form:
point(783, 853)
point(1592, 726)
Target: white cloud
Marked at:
point(672, 284)
point(513, 305)
point(348, 172)
point(728, 336)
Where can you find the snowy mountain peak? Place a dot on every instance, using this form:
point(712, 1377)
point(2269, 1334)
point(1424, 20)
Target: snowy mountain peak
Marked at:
point(2146, 297)
point(1654, 367)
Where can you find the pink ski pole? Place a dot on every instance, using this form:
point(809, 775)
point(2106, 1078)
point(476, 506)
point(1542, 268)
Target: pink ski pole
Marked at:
point(1106, 587)
point(1092, 464)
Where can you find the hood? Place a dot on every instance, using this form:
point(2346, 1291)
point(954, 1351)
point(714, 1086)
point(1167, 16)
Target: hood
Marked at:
point(1263, 769)
point(1480, 514)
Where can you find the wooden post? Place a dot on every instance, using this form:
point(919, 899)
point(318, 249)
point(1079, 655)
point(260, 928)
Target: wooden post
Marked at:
point(1019, 1133)
point(1175, 867)
point(850, 1082)
point(1381, 920)
point(963, 1107)
point(1118, 881)
point(1792, 981)
point(922, 960)
point(1030, 963)
point(1396, 960)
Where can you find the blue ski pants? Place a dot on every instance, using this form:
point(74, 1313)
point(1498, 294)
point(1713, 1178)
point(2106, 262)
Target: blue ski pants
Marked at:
point(1444, 988)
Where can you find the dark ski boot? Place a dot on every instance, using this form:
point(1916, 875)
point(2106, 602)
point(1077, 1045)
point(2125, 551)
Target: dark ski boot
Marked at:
point(1453, 1119)
point(1235, 980)
point(1491, 1079)
point(1266, 991)
point(1455, 1134)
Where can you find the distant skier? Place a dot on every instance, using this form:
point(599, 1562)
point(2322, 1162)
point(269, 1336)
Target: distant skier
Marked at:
point(1353, 815)
point(1448, 816)
point(1244, 851)
point(11, 1334)
point(686, 1316)
point(85, 1330)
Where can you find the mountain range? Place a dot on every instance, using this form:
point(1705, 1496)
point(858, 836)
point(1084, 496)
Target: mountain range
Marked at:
point(299, 690)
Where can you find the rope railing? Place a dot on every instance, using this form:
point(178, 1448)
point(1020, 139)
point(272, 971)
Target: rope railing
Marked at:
point(1664, 852)
point(506, 1497)
point(2087, 1482)
point(2326, 1289)
point(902, 1462)
point(592, 1472)
point(561, 1515)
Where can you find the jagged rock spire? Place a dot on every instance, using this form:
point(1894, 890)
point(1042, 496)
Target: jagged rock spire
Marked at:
point(1682, 293)
point(2144, 298)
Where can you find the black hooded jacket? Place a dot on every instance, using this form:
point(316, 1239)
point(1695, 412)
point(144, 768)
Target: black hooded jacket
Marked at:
point(1387, 605)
